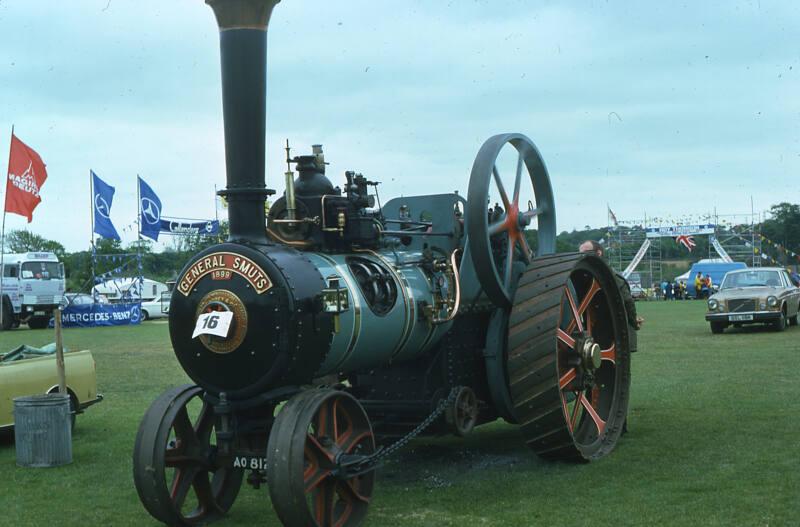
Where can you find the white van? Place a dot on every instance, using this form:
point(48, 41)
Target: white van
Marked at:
point(32, 287)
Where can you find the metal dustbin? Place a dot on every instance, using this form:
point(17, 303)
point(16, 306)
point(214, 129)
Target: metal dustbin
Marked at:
point(43, 430)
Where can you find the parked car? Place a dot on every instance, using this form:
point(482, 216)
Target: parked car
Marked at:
point(32, 371)
point(753, 296)
point(156, 308)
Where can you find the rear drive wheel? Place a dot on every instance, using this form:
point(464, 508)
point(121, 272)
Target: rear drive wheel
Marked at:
point(569, 357)
point(717, 327)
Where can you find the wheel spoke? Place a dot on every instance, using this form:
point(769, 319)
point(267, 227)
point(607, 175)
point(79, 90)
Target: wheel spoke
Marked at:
point(498, 226)
point(323, 502)
point(518, 179)
point(205, 423)
point(314, 476)
point(181, 483)
point(598, 421)
point(610, 354)
point(576, 409)
point(567, 378)
point(573, 308)
point(313, 445)
point(509, 264)
point(184, 431)
point(593, 290)
point(501, 188)
point(348, 489)
point(564, 337)
point(205, 496)
point(348, 446)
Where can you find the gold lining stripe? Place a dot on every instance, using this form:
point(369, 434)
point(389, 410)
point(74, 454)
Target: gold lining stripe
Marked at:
point(356, 310)
point(408, 299)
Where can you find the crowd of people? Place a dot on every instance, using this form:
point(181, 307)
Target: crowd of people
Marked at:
point(678, 290)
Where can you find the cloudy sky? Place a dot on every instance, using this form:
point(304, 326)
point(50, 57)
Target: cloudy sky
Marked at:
point(668, 109)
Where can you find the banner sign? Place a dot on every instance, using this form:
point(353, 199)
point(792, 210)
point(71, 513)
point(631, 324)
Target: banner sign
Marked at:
point(674, 231)
point(91, 315)
point(204, 228)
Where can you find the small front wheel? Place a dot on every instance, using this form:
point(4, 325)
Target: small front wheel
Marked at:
point(717, 328)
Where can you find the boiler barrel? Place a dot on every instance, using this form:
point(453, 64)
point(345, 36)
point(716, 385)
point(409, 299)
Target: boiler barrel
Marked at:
point(370, 336)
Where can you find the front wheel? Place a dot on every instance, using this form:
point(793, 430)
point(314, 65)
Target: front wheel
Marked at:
point(175, 468)
point(793, 320)
point(38, 322)
point(7, 320)
point(717, 328)
point(145, 315)
point(780, 324)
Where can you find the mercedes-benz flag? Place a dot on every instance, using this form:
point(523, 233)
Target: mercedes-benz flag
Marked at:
point(149, 211)
point(103, 196)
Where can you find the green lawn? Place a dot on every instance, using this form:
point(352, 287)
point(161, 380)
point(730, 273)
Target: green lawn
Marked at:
point(713, 441)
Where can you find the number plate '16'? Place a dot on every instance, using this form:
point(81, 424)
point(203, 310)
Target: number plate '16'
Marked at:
point(216, 323)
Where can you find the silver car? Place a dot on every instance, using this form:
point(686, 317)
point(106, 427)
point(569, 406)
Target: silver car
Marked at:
point(754, 296)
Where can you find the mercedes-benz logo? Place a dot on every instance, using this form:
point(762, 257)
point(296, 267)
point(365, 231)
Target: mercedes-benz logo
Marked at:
point(150, 211)
point(101, 206)
point(135, 313)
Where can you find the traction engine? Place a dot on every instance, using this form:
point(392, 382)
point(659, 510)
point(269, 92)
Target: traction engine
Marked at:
point(324, 337)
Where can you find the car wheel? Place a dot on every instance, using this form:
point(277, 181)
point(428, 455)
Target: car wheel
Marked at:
point(793, 320)
point(145, 315)
point(8, 315)
point(780, 324)
point(717, 327)
point(38, 322)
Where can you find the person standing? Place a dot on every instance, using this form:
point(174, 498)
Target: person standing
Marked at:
point(698, 285)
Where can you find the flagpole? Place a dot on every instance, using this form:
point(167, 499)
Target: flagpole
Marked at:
point(139, 235)
point(3, 231)
point(94, 249)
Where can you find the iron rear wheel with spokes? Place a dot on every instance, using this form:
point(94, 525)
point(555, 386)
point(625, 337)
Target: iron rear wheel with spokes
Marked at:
point(497, 235)
point(568, 358)
point(310, 434)
point(173, 461)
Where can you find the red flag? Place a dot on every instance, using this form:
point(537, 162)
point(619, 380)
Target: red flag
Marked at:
point(26, 175)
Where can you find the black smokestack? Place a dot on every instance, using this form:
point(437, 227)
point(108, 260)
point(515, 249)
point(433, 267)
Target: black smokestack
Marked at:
point(243, 49)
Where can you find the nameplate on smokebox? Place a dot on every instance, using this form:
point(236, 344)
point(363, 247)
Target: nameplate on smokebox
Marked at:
point(222, 266)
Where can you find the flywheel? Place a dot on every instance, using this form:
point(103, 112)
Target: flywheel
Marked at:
point(568, 357)
point(498, 235)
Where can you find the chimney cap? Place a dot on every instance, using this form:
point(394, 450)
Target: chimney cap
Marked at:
point(242, 14)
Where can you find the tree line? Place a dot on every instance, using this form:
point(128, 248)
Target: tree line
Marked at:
point(782, 228)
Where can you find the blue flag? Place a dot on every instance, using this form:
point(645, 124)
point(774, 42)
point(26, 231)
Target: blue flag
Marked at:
point(103, 196)
point(149, 211)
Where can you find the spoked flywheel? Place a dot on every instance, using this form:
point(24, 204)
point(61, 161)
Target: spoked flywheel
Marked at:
point(498, 244)
point(173, 461)
point(310, 437)
point(568, 357)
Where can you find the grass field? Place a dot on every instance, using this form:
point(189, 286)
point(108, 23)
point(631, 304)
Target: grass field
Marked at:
point(714, 440)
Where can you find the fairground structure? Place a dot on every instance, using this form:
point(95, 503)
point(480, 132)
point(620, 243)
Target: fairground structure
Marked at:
point(636, 245)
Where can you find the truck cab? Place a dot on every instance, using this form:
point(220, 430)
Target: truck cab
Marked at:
point(32, 287)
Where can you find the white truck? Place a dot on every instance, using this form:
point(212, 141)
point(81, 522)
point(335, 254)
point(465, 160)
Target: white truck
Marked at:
point(32, 287)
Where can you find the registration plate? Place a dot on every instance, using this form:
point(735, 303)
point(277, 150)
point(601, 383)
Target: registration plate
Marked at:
point(250, 462)
point(39, 313)
point(740, 318)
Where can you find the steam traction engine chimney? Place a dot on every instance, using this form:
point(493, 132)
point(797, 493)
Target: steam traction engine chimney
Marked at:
point(243, 49)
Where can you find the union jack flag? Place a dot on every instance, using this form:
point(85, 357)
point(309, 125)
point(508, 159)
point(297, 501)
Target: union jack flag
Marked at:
point(686, 240)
